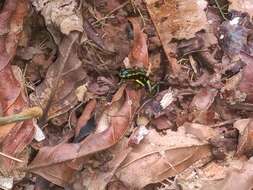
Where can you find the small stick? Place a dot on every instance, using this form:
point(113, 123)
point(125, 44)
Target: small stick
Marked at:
point(11, 157)
point(220, 9)
point(231, 121)
point(26, 114)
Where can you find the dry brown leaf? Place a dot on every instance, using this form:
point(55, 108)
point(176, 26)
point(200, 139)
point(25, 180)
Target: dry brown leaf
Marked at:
point(56, 94)
point(242, 5)
point(12, 98)
point(118, 123)
point(159, 157)
point(138, 56)
point(64, 14)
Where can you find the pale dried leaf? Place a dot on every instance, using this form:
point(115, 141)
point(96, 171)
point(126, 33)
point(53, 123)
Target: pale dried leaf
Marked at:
point(179, 19)
point(203, 132)
point(235, 179)
point(62, 13)
point(158, 157)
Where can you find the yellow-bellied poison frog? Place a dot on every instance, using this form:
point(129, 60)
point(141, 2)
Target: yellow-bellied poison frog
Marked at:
point(139, 76)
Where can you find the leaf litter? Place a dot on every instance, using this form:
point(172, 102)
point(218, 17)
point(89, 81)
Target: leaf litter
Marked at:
point(179, 118)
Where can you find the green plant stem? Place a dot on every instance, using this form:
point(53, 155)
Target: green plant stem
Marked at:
point(29, 113)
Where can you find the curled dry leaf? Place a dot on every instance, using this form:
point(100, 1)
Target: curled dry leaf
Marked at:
point(12, 98)
point(61, 13)
point(138, 55)
point(242, 5)
point(159, 157)
point(86, 115)
point(118, 123)
point(245, 144)
point(56, 94)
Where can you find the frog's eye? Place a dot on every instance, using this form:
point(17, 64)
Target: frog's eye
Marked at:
point(123, 73)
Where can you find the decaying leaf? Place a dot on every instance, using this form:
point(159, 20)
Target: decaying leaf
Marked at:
point(97, 179)
point(56, 94)
point(61, 13)
point(235, 37)
point(242, 5)
point(123, 104)
point(159, 157)
point(14, 137)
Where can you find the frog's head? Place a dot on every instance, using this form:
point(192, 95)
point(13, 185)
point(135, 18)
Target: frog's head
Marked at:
point(124, 73)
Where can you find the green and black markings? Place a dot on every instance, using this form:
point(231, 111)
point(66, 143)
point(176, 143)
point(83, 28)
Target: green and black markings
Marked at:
point(139, 76)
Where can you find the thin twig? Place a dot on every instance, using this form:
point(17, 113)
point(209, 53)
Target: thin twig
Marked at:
point(11, 157)
point(224, 123)
point(220, 9)
point(107, 16)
